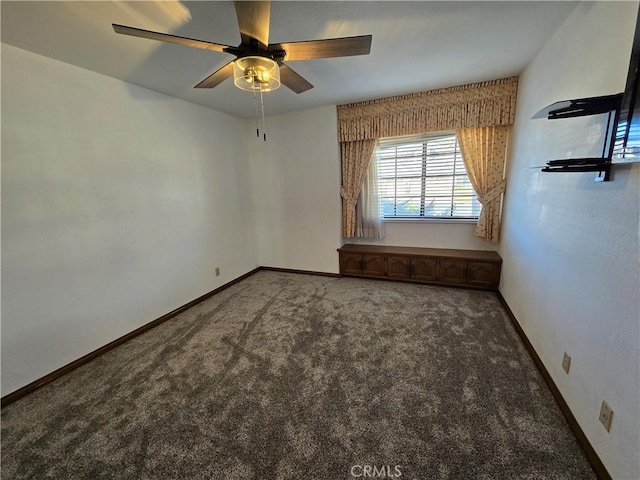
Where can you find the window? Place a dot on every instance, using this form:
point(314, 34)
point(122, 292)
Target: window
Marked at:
point(424, 177)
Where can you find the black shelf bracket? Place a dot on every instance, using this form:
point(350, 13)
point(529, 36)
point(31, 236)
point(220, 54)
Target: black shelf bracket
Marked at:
point(600, 165)
point(579, 108)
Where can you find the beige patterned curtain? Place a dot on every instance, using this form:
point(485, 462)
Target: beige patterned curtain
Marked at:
point(355, 162)
point(369, 222)
point(484, 153)
point(465, 106)
point(360, 124)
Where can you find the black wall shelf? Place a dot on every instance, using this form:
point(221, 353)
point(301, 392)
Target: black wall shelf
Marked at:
point(579, 108)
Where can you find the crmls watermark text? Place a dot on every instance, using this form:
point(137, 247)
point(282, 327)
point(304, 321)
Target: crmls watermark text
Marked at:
point(373, 471)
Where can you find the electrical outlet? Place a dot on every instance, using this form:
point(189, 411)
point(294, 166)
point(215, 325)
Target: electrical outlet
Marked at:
point(217, 271)
point(566, 362)
point(606, 415)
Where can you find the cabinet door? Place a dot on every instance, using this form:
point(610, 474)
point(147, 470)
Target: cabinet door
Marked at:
point(351, 263)
point(452, 271)
point(483, 274)
point(373, 264)
point(398, 267)
point(424, 268)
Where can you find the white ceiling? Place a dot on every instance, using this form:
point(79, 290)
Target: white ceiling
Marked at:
point(416, 46)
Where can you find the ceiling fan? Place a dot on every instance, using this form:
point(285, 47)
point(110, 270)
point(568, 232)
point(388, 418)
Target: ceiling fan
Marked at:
point(259, 65)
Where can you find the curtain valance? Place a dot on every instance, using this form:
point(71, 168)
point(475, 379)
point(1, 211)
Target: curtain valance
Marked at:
point(465, 106)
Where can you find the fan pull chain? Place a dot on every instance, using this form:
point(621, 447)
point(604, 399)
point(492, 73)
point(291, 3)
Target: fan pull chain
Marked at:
point(264, 127)
point(255, 108)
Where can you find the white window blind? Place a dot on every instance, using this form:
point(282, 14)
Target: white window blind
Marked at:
point(424, 177)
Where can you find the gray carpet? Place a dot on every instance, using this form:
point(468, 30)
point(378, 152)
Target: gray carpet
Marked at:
point(293, 376)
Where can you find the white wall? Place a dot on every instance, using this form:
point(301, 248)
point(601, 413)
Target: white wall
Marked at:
point(296, 182)
point(430, 233)
point(117, 204)
point(570, 246)
point(296, 186)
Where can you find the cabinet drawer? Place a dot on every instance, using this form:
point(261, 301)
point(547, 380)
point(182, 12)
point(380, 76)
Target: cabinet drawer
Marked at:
point(373, 265)
point(398, 267)
point(452, 271)
point(483, 274)
point(351, 263)
point(424, 268)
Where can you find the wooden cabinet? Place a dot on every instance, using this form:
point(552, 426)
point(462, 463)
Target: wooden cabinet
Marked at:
point(482, 274)
point(362, 264)
point(424, 269)
point(398, 267)
point(452, 271)
point(351, 263)
point(372, 264)
point(468, 268)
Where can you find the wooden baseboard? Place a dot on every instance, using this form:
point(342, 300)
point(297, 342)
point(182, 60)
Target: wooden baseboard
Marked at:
point(21, 392)
point(303, 272)
point(597, 465)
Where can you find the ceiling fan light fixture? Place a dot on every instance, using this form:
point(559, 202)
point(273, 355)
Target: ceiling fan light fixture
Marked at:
point(256, 73)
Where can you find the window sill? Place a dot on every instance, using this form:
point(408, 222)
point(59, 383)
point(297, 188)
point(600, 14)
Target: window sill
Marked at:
point(431, 220)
